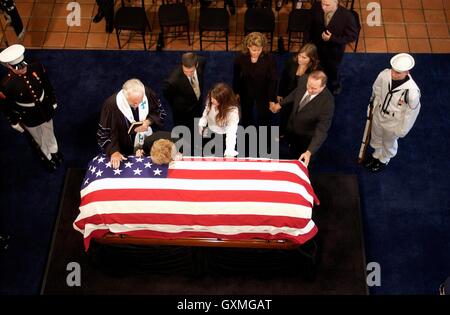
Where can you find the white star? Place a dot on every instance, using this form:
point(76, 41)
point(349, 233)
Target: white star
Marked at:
point(94, 159)
point(86, 181)
point(108, 165)
point(148, 165)
point(139, 159)
point(117, 172)
point(128, 164)
point(100, 160)
point(157, 171)
point(99, 173)
point(93, 169)
point(137, 171)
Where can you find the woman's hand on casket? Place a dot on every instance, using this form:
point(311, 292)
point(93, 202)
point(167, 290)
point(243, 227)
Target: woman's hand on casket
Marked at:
point(139, 153)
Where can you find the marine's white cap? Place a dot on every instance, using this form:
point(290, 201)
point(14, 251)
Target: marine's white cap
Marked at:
point(402, 62)
point(12, 54)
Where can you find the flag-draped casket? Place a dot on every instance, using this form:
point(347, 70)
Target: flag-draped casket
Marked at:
point(197, 197)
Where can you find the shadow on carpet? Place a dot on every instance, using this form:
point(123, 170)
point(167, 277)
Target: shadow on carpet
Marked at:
point(338, 267)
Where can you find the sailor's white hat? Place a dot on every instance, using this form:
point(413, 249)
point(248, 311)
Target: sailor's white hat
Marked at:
point(402, 62)
point(12, 54)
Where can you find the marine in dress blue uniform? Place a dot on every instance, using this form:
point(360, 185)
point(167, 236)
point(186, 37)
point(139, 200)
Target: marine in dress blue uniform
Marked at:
point(29, 102)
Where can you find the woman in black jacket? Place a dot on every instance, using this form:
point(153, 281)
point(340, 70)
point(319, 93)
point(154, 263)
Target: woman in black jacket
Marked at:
point(303, 62)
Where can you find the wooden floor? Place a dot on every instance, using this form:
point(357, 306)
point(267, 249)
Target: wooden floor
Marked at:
point(417, 26)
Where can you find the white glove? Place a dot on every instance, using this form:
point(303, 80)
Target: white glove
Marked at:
point(18, 128)
point(55, 105)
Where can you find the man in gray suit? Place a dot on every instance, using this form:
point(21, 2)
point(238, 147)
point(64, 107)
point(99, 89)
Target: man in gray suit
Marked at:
point(311, 116)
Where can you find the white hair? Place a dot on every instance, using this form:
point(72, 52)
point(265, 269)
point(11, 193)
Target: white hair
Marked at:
point(133, 88)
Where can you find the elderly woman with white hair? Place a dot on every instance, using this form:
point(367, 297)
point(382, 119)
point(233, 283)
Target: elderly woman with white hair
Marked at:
point(127, 117)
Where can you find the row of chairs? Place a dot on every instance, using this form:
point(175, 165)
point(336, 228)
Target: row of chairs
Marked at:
point(174, 15)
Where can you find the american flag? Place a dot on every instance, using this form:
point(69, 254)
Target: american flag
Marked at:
point(232, 199)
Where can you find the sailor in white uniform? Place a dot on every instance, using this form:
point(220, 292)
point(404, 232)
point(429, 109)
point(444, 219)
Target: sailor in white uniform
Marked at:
point(396, 101)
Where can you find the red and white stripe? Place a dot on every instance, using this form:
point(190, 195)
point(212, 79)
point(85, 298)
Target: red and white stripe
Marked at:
point(201, 197)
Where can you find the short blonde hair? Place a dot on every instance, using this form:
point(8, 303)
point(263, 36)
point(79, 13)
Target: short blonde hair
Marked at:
point(254, 39)
point(163, 151)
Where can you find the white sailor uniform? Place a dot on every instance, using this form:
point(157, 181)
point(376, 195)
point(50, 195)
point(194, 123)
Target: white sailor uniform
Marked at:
point(394, 114)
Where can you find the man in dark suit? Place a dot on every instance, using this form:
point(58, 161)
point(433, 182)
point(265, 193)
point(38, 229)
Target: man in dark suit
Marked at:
point(311, 116)
point(332, 28)
point(183, 90)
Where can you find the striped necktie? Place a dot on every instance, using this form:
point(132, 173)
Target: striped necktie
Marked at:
point(328, 17)
point(303, 102)
point(195, 87)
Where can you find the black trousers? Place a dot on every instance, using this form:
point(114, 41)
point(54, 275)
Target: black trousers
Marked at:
point(9, 7)
point(106, 7)
point(298, 144)
point(330, 60)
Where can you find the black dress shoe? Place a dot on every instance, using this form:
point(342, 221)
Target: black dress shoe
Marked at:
point(4, 242)
point(378, 166)
point(57, 157)
point(337, 89)
point(370, 160)
point(98, 17)
point(50, 165)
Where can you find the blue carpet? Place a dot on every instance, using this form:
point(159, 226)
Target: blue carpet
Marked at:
point(406, 208)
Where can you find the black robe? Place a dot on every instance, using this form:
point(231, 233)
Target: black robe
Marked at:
point(112, 134)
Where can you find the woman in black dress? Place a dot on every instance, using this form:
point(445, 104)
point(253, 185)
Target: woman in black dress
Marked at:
point(301, 63)
point(255, 81)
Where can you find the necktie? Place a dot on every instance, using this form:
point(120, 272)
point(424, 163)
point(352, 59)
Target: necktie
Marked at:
point(328, 17)
point(303, 102)
point(195, 87)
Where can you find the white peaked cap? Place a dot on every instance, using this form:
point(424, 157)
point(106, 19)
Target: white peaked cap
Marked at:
point(12, 54)
point(402, 62)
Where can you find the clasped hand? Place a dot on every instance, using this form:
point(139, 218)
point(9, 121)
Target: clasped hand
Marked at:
point(326, 35)
point(274, 107)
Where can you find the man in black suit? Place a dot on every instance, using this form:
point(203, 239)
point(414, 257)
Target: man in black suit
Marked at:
point(183, 90)
point(332, 28)
point(311, 116)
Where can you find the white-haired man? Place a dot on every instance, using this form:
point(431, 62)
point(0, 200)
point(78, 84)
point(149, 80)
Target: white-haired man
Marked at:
point(132, 104)
point(396, 101)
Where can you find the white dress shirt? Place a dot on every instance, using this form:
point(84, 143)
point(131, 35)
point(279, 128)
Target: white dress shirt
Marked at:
point(230, 129)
